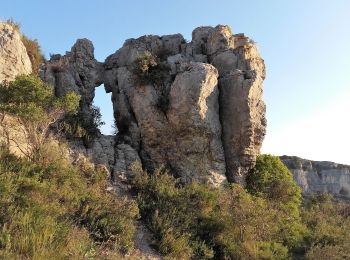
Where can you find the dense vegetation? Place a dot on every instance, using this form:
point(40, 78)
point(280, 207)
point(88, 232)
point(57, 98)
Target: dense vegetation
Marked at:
point(81, 126)
point(36, 109)
point(50, 209)
point(56, 211)
point(266, 221)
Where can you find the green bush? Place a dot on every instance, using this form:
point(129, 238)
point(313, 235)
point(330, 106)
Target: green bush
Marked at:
point(82, 126)
point(329, 224)
point(201, 222)
point(271, 179)
point(148, 69)
point(36, 108)
point(57, 211)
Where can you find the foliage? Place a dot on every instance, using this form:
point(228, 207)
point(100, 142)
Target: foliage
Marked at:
point(329, 225)
point(36, 107)
point(271, 179)
point(148, 69)
point(57, 211)
point(195, 221)
point(201, 222)
point(34, 52)
point(81, 125)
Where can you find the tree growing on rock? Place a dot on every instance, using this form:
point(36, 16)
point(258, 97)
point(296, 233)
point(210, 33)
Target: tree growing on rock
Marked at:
point(35, 108)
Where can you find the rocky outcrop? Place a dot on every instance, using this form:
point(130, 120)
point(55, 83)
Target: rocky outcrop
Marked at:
point(14, 59)
point(315, 177)
point(203, 118)
point(77, 71)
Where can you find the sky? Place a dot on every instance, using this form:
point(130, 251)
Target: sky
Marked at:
point(305, 45)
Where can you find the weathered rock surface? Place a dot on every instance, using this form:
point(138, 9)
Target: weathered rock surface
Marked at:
point(313, 176)
point(215, 122)
point(77, 71)
point(205, 121)
point(14, 59)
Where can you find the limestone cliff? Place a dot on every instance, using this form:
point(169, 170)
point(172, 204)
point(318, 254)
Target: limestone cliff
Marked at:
point(314, 177)
point(14, 59)
point(205, 119)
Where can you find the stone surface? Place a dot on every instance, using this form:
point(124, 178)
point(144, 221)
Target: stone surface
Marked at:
point(313, 176)
point(14, 59)
point(77, 71)
point(205, 121)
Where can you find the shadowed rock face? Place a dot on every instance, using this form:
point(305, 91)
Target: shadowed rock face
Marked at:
point(77, 71)
point(14, 59)
point(205, 120)
point(313, 176)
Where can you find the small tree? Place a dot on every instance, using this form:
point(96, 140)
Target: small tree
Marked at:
point(35, 107)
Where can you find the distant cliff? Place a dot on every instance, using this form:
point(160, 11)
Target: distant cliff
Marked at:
point(313, 176)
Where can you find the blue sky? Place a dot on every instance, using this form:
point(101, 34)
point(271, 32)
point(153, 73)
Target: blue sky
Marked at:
point(305, 45)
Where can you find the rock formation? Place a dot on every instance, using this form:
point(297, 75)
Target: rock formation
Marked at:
point(77, 71)
point(14, 59)
point(205, 118)
point(315, 177)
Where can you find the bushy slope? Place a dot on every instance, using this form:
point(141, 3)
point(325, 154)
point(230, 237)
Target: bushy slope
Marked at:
point(50, 209)
point(267, 221)
point(56, 210)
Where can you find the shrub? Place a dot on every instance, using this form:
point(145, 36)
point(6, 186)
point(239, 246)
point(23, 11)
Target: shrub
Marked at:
point(58, 211)
point(82, 125)
point(34, 52)
point(271, 179)
point(36, 108)
point(329, 226)
point(195, 221)
point(148, 69)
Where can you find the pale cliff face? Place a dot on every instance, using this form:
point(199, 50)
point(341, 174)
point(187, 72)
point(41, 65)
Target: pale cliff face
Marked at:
point(314, 177)
point(14, 59)
point(214, 123)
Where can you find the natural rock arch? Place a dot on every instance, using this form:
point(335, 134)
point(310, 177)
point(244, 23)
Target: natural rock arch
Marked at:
point(215, 123)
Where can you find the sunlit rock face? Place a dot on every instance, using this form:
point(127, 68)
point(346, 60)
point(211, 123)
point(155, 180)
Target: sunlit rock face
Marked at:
point(316, 177)
point(14, 59)
point(205, 120)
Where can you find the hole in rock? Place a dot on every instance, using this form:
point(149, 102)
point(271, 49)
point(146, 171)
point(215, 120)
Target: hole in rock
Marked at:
point(103, 101)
